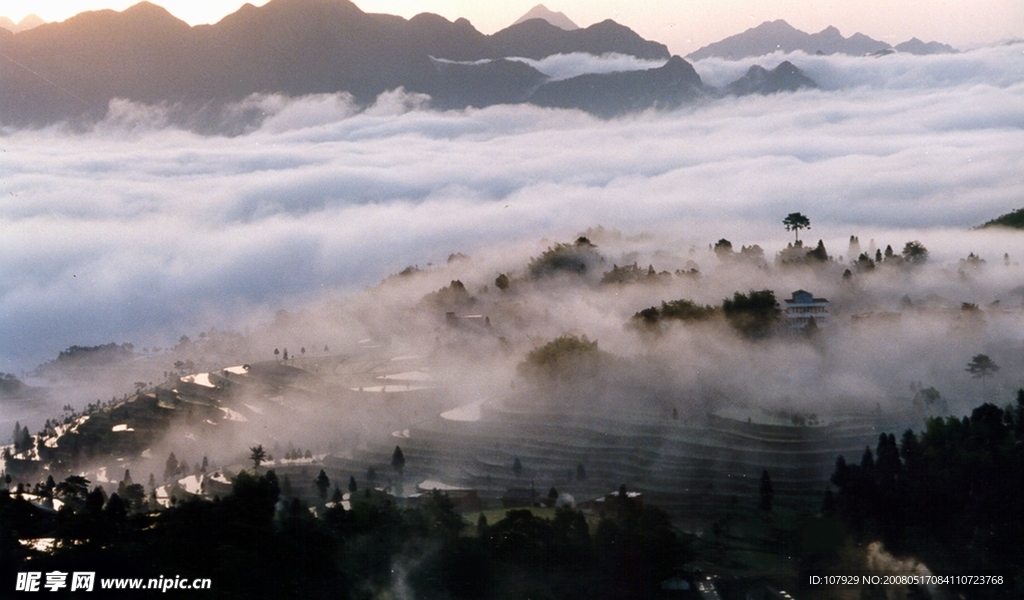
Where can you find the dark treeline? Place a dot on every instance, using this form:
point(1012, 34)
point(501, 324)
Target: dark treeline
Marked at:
point(952, 495)
point(752, 315)
point(254, 543)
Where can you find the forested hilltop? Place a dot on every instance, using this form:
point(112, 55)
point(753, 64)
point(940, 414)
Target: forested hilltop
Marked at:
point(1013, 219)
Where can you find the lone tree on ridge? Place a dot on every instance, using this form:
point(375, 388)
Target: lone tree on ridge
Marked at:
point(257, 455)
point(795, 222)
point(323, 484)
point(980, 367)
point(398, 460)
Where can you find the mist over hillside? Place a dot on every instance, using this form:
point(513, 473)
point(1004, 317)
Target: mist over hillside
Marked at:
point(560, 353)
point(136, 230)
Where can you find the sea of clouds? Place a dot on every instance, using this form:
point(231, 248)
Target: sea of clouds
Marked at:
point(138, 229)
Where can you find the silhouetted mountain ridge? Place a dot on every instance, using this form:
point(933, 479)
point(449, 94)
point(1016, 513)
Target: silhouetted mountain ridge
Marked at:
point(492, 82)
point(916, 46)
point(758, 80)
point(775, 36)
point(537, 38)
point(73, 69)
point(609, 94)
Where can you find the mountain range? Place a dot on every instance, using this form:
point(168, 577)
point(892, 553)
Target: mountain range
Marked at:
point(71, 70)
point(774, 36)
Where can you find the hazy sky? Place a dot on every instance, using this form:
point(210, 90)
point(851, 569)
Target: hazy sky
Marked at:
point(684, 25)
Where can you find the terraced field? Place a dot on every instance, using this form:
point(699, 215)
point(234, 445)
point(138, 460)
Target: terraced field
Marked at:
point(675, 462)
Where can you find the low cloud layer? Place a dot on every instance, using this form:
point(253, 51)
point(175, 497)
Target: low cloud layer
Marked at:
point(137, 230)
point(564, 66)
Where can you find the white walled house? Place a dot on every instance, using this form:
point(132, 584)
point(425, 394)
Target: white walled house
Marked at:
point(802, 307)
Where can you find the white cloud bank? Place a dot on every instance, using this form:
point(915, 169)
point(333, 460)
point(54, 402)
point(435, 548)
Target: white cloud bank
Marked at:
point(564, 66)
point(138, 231)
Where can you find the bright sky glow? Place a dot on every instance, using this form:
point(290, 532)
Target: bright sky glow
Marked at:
point(684, 25)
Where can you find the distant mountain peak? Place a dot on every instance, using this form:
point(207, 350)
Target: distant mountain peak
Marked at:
point(146, 9)
point(776, 25)
point(786, 77)
point(29, 22)
point(916, 46)
point(557, 19)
